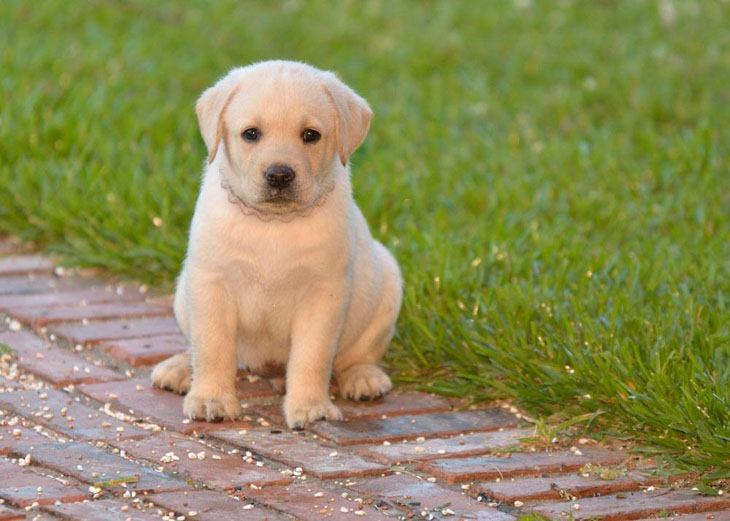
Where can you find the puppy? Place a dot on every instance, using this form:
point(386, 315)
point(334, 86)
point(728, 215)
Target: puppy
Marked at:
point(281, 270)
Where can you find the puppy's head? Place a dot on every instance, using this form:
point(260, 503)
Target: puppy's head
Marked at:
point(281, 132)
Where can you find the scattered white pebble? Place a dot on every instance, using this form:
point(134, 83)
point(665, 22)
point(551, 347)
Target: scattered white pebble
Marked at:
point(169, 458)
point(518, 503)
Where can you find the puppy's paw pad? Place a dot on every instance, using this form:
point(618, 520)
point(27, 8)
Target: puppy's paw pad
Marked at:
point(364, 382)
point(199, 406)
point(173, 374)
point(297, 416)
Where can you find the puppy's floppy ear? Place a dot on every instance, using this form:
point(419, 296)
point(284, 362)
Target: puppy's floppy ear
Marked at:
point(210, 108)
point(353, 116)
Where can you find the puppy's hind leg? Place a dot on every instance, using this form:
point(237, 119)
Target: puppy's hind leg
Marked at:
point(173, 374)
point(356, 367)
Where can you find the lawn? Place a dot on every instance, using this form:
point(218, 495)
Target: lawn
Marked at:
point(552, 176)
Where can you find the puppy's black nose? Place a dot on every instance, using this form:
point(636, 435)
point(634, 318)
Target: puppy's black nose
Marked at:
point(279, 176)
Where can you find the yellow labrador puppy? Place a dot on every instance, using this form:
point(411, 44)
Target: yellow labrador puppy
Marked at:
point(281, 270)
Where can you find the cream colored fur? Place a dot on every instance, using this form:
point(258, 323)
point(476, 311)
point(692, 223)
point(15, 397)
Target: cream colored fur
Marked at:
point(301, 284)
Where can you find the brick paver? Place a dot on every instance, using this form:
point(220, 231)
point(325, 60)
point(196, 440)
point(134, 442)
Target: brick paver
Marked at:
point(414, 426)
point(296, 450)
point(95, 332)
point(138, 398)
point(310, 500)
point(43, 316)
point(191, 459)
point(393, 404)
point(38, 284)
point(83, 438)
point(458, 446)
point(634, 505)
point(145, 351)
point(102, 510)
point(23, 264)
point(8, 514)
point(99, 467)
point(417, 496)
point(561, 487)
point(518, 464)
point(72, 416)
point(79, 297)
point(205, 505)
point(21, 487)
point(19, 439)
point(54, 364)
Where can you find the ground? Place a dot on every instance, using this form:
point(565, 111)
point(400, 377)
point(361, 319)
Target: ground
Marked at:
point(84, 436)
point(552, 177)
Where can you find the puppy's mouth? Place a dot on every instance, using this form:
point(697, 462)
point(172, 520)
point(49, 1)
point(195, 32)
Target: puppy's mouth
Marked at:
point(280, 197)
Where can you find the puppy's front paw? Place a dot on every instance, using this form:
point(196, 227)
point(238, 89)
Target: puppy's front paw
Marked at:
point(363, 382)
point(173, 374)
point(299, 413)
point(211, 406)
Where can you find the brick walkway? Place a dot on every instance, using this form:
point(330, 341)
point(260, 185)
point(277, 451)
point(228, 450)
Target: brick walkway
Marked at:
point(84, 436)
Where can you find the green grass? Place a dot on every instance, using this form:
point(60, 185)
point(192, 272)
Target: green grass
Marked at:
point(553, 180)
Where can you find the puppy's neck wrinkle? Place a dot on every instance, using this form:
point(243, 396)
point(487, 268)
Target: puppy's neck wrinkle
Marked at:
point(286, 217)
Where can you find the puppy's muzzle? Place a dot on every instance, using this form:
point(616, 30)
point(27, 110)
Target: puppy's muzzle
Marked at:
point(279, 176)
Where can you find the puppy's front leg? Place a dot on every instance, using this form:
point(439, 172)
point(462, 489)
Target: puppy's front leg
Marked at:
point(315, 335)
point(212, 315)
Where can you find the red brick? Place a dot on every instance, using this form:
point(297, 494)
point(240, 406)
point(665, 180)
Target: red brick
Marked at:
point(88, 296)
point(295, 450)
point(212, 506)
point(393, 404)
point(52, 363)
point(22, 264)
point(8, 514)
point(457, 447)
point(95, 332)
point(139, 399)
point(96, 466)
point(70, 416)
point(535, 489)
point(634, 505)
point(518, 464)
point(28, 284)
point(20, 487)
point(308, 500)
point(102, 510)
point(411, 427)
point(414, 495)
point(43, 316)
point(19, 439)
point(219, 469)
point(145, 351)
point(704, 516)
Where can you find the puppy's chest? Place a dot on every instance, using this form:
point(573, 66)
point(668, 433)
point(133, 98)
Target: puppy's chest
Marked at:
point(270, 277)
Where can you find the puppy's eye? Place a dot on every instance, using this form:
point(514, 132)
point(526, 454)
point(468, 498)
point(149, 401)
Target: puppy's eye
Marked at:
point(311, 136)
point(251, 135)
